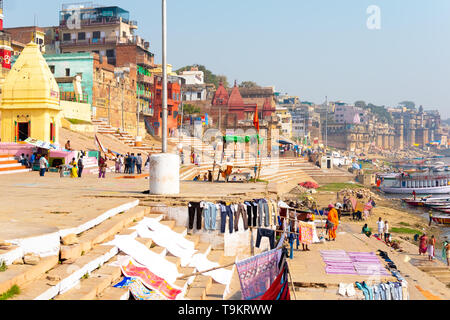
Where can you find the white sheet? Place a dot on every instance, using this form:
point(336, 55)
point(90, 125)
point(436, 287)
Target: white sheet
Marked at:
point(154, 225)
point(201, 263)
point(154, 262)
point(315, 237)
point(168, 241)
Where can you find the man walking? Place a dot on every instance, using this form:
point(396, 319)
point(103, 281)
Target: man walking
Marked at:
point(43, 165)
point(133, 163)
point(139, 163)
point(380, 224)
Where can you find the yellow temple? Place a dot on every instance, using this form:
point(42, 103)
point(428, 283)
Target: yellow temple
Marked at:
point(30, 105)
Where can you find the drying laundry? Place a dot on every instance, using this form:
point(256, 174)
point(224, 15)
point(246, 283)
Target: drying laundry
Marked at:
point(167, 241)
point(257, 274)
point(138, 290)
point(154, 262)
point(156, 226)
point(201, 263)
point(279, 290)
point(150, 280)
point(306, 233)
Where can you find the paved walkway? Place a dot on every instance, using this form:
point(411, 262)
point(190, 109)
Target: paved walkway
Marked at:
point(308, 268)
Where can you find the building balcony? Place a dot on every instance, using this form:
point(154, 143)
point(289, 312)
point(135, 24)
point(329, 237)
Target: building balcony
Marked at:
point(93, 22)
point(71, 96)
point(145, 79)
point(147, 111)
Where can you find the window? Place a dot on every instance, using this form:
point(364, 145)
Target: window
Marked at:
point(96, 35)
point(52, 69)
point(66, 37)
point(199, 95)
point(81, 35)
point(67, 72)
point(110, 53)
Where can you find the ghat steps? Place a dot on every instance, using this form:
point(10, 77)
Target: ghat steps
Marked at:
point(83, 271)
point(10, 165)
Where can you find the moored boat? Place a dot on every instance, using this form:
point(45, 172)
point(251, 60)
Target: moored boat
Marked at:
point(421, 183)
point(442, 219)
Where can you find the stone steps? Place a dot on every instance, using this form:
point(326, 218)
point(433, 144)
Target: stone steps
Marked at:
point(56, 279)
point(22, 274)
point(109, 228)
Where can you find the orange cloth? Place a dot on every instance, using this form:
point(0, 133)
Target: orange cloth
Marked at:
point(333, 217)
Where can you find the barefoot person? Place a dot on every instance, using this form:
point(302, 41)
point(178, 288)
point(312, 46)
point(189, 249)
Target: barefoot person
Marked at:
point(332, 222)
point(380, 224)
point(431, 246)
point(423, 242)
point(446, 251)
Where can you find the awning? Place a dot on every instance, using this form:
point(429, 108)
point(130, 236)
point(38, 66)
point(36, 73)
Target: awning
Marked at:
point(41, 144)
point(284, 140)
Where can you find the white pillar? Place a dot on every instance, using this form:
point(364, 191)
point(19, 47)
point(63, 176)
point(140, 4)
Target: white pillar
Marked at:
point(164, 174)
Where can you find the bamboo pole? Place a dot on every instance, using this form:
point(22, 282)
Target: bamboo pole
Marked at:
point(203, 272)
point(292, 281)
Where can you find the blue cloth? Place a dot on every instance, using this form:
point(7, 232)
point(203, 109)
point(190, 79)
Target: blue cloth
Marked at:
point(363, 289)
point(387, 291)
point(382, 292)
point(397, 274)
point(398, 290)
point(369, 289)
point(210, 214)
point(376, 292)
point(393, 291)
point(224, 215)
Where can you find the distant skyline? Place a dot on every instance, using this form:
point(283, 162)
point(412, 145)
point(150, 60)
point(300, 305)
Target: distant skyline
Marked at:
point(309, 48)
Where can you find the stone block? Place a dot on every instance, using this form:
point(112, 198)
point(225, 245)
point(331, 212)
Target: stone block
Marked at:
point(70, 239)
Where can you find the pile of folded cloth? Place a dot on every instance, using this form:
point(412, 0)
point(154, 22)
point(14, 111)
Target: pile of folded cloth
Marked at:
point(353, 263)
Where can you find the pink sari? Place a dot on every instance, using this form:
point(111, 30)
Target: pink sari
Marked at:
point(423, 244)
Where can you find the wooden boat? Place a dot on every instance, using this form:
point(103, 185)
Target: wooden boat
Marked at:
point(442, 219)
point(420, 183)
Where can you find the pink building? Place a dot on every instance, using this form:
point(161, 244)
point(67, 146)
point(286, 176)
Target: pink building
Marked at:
point(349, 114)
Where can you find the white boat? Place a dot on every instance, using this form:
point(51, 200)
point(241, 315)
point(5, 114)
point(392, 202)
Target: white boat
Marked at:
point(420, 183)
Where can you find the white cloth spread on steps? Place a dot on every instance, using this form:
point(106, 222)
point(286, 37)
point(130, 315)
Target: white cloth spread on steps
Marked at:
point(154, 262)
point(168, 241)
point(154, 225)
point(201, 263)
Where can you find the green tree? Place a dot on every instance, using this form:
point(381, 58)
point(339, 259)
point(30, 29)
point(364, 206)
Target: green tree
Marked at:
point(408, 104)
point(360, 104)
point(190, 109)
point(248, 84)
point(381, 113)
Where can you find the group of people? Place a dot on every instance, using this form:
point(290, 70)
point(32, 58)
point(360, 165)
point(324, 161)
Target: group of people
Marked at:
point(76, 167)
point(26, 161)
point(428, 245)
point(130, 163)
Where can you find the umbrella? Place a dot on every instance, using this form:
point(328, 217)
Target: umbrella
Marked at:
point(309, 185)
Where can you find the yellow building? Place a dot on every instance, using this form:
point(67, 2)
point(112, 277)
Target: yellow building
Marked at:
point(158, 70)
point(30, 100)
point(285, 118)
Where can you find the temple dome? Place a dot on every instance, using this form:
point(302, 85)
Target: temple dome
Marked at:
point(30, 83)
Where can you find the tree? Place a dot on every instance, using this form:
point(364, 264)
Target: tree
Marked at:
point(360, 104)
point(209, 76)
point(408, 105)
point(248, 84)
point(190, 109)
point(381, 113)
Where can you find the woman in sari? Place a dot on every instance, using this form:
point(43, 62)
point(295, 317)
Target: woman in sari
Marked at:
point(423, 242)
point(332, 222)
point(74, 171)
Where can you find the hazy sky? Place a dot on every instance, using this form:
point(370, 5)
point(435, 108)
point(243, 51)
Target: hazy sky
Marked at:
point(310, 48)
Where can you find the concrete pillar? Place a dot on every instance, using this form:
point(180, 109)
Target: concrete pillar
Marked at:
point(164, 174)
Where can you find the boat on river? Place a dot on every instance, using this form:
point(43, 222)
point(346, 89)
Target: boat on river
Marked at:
point(444, 219)
point(425, 183)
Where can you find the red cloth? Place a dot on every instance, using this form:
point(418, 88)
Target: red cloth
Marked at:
point(256, 120)
point(279, 290)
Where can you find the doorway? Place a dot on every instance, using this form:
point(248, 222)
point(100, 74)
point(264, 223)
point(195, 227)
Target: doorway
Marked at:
point(24, 131)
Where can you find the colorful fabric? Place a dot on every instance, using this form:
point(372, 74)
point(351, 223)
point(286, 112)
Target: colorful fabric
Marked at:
point(150, 280)
point(355, 263)
point(257, 274)
point(279, 290)
point(138, 290)
point(306, 233)
point(423, 244)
